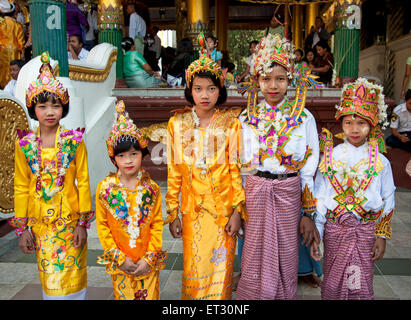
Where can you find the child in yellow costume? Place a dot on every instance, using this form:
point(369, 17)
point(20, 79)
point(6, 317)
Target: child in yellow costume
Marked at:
point(128, 214)
point(202, 164)
point(52, 212)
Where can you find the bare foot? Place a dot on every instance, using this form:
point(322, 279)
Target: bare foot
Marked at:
point(311, 280)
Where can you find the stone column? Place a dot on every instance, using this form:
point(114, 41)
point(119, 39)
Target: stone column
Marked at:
point(198, 16)
point(221, 24)
point(297, 27)
point(347, 40)
point(110, 26)
point(48, 31)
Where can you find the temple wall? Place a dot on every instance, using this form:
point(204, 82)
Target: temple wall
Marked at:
point(372, 62)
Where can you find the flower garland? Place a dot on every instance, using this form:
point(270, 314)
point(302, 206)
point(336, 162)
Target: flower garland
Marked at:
point(67, 143)
point(355, 173)
point(262, 136)
point(133, 228)
point(117, 200)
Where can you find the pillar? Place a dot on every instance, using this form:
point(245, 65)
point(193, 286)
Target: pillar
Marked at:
point(312, 11)
point(297, 27)
point(198, 16)
point(48, 31)
point(347, 39)
point(110, 26)
point(221, 24)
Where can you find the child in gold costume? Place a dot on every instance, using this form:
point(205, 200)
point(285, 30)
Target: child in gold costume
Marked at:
point(202, 164)
point(128, 213)
point(52, 212)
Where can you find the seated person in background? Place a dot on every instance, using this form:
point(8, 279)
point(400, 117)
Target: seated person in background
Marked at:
point(310, 58)
point(401, 125)
point(248, 69)
point(215, 55)
point(176, 71)
point(323, 64)
point(15, 66)
point(298, 63)
point(137, 72)
point(75, 48)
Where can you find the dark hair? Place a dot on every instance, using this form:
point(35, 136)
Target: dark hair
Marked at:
point(408, 95)
point(323, 44)
point(19, 63)
point(222, 97)
point(230, 66)
point(127, 43)
point(126, 145)
point(215, 40)
point(185, 46)
point(78, 36)
point(306, 53)
point(255, 42)
point(44, 97)
point(300, 51)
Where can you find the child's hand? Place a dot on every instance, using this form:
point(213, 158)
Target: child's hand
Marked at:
point(315, 251)
point(234, 224)
point(142, 268)
point(128, 266)
point(26, 242)
point(80, 237)
point(175, 228)
point(307, 230)
point(378, 249)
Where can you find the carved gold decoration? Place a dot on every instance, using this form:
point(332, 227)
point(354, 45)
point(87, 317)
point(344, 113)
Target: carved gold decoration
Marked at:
point(12, 117)
point(156, 132)
point(110, 15)
point(81, 73)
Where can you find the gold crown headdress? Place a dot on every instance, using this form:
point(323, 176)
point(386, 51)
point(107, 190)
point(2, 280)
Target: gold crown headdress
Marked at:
point(46, 82)
point(273, 49)
point(366, 100)
point(204, 63)
point(124, 129)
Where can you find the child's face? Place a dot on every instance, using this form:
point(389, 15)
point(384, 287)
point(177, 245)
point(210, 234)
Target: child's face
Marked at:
point(49, 113)
point(274, 85)
point(356, 129)
point(129, 162)
point(310, 56)
point(210, 43)
point(253, 48)
point(298, 56)
point(14, 71)
point(205, 93)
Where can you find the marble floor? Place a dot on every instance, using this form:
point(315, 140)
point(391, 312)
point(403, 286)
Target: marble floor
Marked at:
point(19, 277)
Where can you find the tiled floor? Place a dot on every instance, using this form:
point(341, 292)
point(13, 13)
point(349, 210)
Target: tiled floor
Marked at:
point(19, 277)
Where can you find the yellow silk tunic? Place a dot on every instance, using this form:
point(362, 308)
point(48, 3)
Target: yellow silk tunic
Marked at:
point(115, 205)
point(208, 199)
point(62, 268)
point(11, 46)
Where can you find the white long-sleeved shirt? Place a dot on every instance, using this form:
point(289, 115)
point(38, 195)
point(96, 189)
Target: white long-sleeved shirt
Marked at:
point(300, 137)
point(137, 26)
point(380, 193)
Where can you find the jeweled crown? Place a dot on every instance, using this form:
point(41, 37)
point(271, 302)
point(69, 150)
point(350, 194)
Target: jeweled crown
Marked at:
point(45, 82)
point(124, 129)
point(204, 63)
